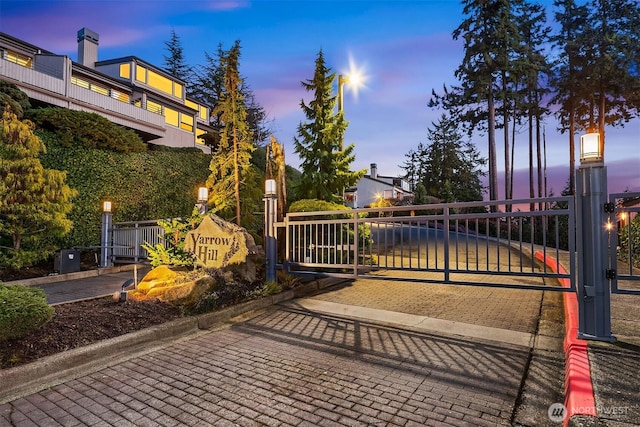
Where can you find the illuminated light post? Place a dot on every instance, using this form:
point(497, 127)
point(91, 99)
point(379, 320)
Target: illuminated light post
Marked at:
point(105, 236)
point(203, 200)
point(594, 293)
point(271, 244)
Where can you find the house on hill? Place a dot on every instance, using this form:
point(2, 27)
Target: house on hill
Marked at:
point(374, 187)
point(127, 91)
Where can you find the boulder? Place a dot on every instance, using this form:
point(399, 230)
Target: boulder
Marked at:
point(174, 286)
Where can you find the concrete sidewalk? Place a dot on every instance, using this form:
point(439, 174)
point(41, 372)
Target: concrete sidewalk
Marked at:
point(85, 284)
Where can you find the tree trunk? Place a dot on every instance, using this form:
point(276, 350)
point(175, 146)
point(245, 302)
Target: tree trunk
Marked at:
point(539, 156)
point(507, 161)
point(493, 172)
point(236, 175)
point(532, 205)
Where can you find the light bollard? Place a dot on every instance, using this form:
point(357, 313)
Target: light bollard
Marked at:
point(105, 237)
point(594, 293)
point(271, 246)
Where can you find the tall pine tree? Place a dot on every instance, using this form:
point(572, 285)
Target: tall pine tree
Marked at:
point(325, 166)
point(447, 167)
point(174, 62)
point(231, 161)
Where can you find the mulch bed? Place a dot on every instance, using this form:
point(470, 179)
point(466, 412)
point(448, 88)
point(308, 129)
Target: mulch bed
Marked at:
point(81, 323)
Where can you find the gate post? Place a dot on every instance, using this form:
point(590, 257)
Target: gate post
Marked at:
point(270, 240)
point(594, 295)
point(105, 237)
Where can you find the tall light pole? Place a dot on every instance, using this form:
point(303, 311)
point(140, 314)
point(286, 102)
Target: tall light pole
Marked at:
point(341, 81)
point(355, 79)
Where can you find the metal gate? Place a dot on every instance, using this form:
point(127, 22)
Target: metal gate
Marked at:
point(127, 238)
point(471, 243)
point(624, 250)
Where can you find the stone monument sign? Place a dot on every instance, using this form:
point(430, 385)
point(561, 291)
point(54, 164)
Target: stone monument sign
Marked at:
point(217, 243)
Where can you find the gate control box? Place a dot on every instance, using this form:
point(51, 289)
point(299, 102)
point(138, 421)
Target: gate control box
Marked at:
point(67, 261)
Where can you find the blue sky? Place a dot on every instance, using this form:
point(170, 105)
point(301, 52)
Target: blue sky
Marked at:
point(405, 49)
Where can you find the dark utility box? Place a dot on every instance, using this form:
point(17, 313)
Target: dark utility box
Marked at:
point(67, 261)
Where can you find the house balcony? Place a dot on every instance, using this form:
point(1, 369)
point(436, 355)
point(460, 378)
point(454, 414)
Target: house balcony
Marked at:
point(52, 86)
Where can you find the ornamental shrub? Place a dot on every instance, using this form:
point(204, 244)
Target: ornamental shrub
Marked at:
point(22, 310)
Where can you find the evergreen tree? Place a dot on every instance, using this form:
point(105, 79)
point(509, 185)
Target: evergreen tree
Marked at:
point(208, 88)
point(174, 62)
point(449, 168)
point(34, 201)
point(13, 98)
point(567, 71)
point(231, 160)
point(325, 166)
point(486, 31)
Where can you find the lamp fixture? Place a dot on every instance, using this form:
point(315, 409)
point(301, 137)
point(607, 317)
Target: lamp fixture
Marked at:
point(203, 194)
point(270, 187)
point(590, 148)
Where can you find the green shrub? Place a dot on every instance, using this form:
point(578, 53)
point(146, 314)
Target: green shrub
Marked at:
point(175, 234)
point(85, 129)
point(314, 205)
point(630, 246)
point(22, 310)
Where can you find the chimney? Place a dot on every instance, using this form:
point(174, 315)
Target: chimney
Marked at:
point(87, 47)
point(374, 171)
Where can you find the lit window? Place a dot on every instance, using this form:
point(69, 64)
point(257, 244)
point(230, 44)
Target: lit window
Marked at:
point(19, 59)
point(122, 97)
point(177, 89)
point(160, 82)
point(190, 104)
point(125, 71)
point(80, 82)
point(186, 122)
point(141, 74)
point(199, 133)
point(99, 89)
point(154, 107)
point(171, 116)
point(203, 112)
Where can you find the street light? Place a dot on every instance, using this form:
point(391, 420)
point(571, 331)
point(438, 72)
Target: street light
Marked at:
point(594, 293)
point(355, 79)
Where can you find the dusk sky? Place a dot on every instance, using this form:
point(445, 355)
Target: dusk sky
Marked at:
point(404, 48)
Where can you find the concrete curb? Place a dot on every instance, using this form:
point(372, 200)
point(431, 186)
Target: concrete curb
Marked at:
point(579, 398)
point(52, 370)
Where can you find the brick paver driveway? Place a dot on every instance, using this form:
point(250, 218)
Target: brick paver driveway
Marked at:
point(289, 366)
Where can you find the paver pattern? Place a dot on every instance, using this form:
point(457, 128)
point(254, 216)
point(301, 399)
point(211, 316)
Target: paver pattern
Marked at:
point(291, 367)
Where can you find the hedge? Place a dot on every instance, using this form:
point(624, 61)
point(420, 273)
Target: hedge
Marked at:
point(141, 186)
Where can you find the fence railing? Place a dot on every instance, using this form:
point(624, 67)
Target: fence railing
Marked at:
point(624, 247)
point(128, 238)
point(459, 243)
